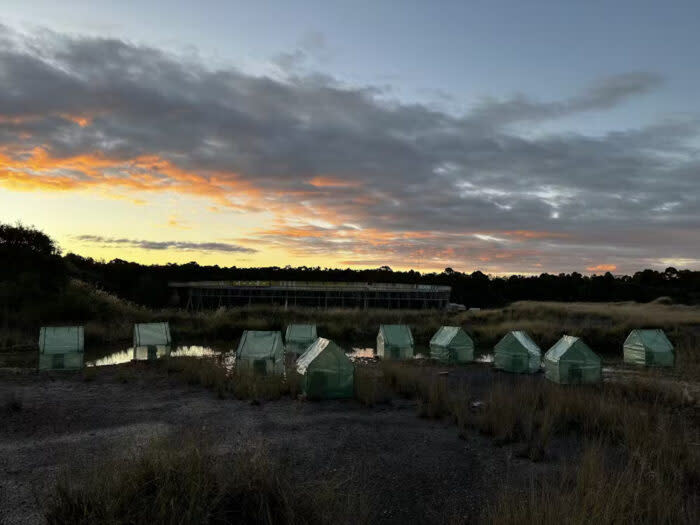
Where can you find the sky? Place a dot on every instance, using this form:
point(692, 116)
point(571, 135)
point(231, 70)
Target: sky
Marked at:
point(506, 137)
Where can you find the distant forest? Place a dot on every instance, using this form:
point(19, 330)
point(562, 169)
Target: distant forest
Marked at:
point(31, 265)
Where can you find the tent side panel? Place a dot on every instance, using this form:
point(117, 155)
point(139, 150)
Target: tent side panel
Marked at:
point(660, 358)
point(509, 355)
point(330, 376)
point(439, 353)
point(463, 354)
point(575, 372)
point(634, 355)
point(67, 361)
point(534, 363)
point(380, 344)
point(551, 371)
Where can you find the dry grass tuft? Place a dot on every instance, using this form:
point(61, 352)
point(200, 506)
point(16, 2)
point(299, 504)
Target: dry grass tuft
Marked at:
point(188, 484)
point(642, 490)
point(370, 387)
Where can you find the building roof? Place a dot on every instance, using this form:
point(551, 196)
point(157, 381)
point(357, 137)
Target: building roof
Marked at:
point(315, 286)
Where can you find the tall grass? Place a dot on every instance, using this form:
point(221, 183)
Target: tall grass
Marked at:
point(169, 484)
point(651, 425)
point(640, 491)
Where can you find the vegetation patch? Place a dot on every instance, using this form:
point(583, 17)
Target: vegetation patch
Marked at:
point(168, 484)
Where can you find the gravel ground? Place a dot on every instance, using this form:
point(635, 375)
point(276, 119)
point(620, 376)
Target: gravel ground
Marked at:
point(413, 469)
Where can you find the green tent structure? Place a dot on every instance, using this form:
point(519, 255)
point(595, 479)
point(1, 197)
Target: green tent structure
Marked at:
point(327, 373)
point(298, 338)
point(517, 352)
point(61, 347)
point(394, 341)
point(151, 340)
point(452, 345)
point(649, 348)
point(260, 352)
point(571, 361)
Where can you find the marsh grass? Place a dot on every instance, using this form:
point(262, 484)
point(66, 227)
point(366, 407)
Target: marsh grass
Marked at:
point(370, 387)
point(246, 384)
point(169, 484)
point(598, 490)
point(651, 425)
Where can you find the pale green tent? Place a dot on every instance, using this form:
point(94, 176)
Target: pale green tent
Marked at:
point(151, 340)
point(394, 341)
point(61, 347)
point(147, 334)
point(648, 347)
point(452, 345)
point(326, 371)
point(298, 337)
point(571, 361)
point(260, 352)
point(517, 352)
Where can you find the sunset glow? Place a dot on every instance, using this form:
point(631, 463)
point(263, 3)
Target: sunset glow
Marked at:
point(122, 147)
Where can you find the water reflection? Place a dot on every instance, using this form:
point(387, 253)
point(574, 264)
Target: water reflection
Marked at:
point(195, 351)
point(152, 353)
point(361, 353)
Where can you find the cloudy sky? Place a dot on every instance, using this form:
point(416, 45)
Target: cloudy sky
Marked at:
point(510, 137)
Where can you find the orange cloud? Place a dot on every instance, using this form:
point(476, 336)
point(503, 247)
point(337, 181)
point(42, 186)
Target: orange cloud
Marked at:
point(330, 182)
point(37, 169)
point(81, 120)
point(529, 234)
point(78, 119)
point(602, 268)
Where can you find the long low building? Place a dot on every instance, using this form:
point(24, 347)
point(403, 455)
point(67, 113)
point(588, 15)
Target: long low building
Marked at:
point(213, 294)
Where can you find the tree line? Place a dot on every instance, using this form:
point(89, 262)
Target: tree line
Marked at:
point(31, 266)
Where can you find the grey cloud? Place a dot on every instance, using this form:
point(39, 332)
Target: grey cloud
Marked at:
point(603, 94)
point(166, 245)
point(415, 168)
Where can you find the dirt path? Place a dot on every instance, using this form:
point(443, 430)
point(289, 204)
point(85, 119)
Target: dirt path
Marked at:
point(415, 470)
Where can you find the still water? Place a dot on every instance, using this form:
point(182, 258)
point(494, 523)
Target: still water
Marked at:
point(152, 353)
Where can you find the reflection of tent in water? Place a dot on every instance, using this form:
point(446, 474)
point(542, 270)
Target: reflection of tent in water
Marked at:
point(151, 340)
point(326, 370)
point(299, 337)
point(451, 344)
point(516, 352)
point(648, 347)
point(394, 341)
point(571, 361)
point(261, 352)
point(61, 347)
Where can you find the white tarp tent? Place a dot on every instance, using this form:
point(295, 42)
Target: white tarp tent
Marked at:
point(148, 334)
point(61, 347)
